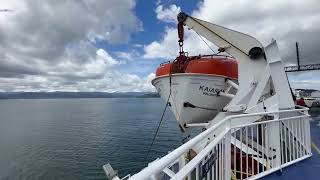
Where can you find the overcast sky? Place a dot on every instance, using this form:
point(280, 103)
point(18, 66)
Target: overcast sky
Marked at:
point(116, 45)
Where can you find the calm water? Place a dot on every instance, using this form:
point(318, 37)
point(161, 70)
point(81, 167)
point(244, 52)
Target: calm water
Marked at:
point(73, 138)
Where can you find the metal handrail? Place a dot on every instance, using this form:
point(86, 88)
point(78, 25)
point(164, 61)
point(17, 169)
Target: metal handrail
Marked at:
point(157, 166)
point(190, 166)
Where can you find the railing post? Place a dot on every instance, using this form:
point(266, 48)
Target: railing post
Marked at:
point(308, 134)
point(182, 161)
point(227, 153)
point(274, 146)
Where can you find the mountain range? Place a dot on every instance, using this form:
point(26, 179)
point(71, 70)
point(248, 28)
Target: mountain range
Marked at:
point(59, 94)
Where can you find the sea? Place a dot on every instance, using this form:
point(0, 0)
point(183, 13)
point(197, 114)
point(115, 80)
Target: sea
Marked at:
point(71, 139)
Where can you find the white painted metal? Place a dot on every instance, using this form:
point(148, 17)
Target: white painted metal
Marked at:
point(198, 89)
point(279, 77)
point(253, 73)
point(267, 134)
point(227, 95)
point(237, 44)
point(197, 125)
point(110, 172)
point(125, 177)
point(169, 172)
point(234, 85)
point(268, 160)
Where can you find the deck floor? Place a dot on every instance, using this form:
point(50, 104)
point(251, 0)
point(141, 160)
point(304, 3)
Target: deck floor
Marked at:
point(308, 169)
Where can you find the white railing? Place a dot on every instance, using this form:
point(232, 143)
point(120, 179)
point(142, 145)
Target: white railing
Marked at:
point(239, 150)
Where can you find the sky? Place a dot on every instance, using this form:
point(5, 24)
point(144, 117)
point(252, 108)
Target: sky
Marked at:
point(116, 45)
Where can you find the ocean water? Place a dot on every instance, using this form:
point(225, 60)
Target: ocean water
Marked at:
point(73, 138)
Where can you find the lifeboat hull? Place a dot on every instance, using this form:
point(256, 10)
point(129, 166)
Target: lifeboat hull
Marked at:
point(195, 85)
point(190, 89)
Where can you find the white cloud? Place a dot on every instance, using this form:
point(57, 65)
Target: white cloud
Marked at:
point(129, 56)
point(168, 48)
point(305, 80)
point(286, 21)
point(167, 14)
point(151, 76)
point(137, 45)
point(105, 58)
point(48, 45)
point(165, 48)
point(113, 81)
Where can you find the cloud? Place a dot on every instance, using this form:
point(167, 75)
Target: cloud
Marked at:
point(113, 81)
point(169, 14)
point(286, 21)
point(105, 58)
point(137, 45)
point(168, 48)
point(48, 45)
point(305, 80)
point(43, 29)
point(165, 48)
point(128, 55)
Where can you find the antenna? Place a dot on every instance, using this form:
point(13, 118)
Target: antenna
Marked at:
point(298, 57)
point(305, 67)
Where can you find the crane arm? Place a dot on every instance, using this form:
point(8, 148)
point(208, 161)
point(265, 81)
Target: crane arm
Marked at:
point(247, 50)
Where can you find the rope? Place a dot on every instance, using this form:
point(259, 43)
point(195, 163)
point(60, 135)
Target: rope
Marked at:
point(206, 43)
point(159, 124)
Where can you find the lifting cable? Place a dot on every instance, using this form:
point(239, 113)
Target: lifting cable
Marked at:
point(159, 124)
point(206, 43)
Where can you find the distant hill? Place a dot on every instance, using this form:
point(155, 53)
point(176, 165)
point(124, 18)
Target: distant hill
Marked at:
point(306, 92)
point(149, 95)
point(58, 95)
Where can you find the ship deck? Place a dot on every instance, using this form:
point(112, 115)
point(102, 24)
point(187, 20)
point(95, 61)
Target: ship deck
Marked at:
point(307, 169)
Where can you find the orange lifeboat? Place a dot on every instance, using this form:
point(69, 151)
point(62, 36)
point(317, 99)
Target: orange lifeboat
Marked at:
point(194, 89)
point(212, 65)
